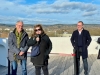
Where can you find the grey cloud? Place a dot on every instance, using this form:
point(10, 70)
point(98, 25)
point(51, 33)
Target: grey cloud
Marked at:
point(57, 7)
point(89, 13)
point(93, 20)
point(6, 8)
point(88, 7)
point(66, 7)
point(38, 20)
point(52, 11)
point(75, 5)
point(13, 19)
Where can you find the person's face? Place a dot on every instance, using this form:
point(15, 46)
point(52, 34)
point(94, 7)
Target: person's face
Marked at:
point(19, 26)
point(38, 30)
point(79, 26)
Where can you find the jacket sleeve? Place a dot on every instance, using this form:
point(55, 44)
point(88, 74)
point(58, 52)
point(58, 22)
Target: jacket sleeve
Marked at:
point(72, 39)
point(88, 39)
point(26, 47)
point(31, 41)
point(49, 46)
point(12, 47)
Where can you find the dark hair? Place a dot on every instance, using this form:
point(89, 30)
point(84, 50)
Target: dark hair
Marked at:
point(81, 22)
point(34, 32)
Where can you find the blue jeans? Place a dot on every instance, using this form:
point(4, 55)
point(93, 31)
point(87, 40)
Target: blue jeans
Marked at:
point(15, 65)
point(85, 63)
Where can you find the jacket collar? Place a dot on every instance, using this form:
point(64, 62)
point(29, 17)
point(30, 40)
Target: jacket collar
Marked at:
point(82, 30)
point(23, 33)
point(15, 30)
point(43, 35)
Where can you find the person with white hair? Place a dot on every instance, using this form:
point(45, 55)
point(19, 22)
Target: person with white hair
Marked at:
point(17, 42)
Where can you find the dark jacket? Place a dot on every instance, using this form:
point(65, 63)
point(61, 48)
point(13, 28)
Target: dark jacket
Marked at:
point(86, 39)
point(45, 49)
point(12, 44)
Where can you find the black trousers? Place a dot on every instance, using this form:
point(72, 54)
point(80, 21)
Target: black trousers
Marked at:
point(44, 68)
point(77, 63)
point(38, 70)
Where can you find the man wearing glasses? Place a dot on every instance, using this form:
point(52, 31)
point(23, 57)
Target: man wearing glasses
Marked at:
point(80, 41)
point(17, 42)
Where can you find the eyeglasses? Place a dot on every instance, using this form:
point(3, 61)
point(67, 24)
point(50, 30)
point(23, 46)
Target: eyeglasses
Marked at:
point(37, 30)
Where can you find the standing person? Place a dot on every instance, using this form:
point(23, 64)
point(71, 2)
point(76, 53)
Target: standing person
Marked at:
point(80, 41)
point(17, 42)
point(40, 61)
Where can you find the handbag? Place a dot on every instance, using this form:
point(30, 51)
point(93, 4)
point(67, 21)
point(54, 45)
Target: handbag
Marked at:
point(98, 57)
point(35, 51)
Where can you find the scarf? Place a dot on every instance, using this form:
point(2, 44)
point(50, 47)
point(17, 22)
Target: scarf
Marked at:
point(19, 37)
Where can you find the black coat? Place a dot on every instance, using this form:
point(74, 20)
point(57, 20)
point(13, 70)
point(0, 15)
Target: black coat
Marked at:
point(45, 49)
point(86, 39)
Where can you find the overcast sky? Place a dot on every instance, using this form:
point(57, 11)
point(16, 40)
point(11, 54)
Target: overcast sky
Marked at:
point(50, 11)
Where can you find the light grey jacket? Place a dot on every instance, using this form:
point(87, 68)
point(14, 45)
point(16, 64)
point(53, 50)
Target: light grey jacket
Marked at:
point(12, 43)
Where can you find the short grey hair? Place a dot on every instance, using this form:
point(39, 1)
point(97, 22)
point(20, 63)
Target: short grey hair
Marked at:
point(19, 21)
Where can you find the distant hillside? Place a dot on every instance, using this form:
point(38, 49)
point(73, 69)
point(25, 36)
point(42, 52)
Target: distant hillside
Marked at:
point(55, 30)
point(49, 24)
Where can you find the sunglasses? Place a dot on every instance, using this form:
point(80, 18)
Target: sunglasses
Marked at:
point(37, 30)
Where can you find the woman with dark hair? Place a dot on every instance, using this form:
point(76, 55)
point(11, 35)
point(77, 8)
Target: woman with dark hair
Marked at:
point(40, 61)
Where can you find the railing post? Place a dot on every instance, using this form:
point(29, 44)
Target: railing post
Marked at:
point(8, 65)
point(75, 62)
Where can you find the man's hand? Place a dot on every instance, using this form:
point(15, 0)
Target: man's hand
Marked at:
point(21, 53)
